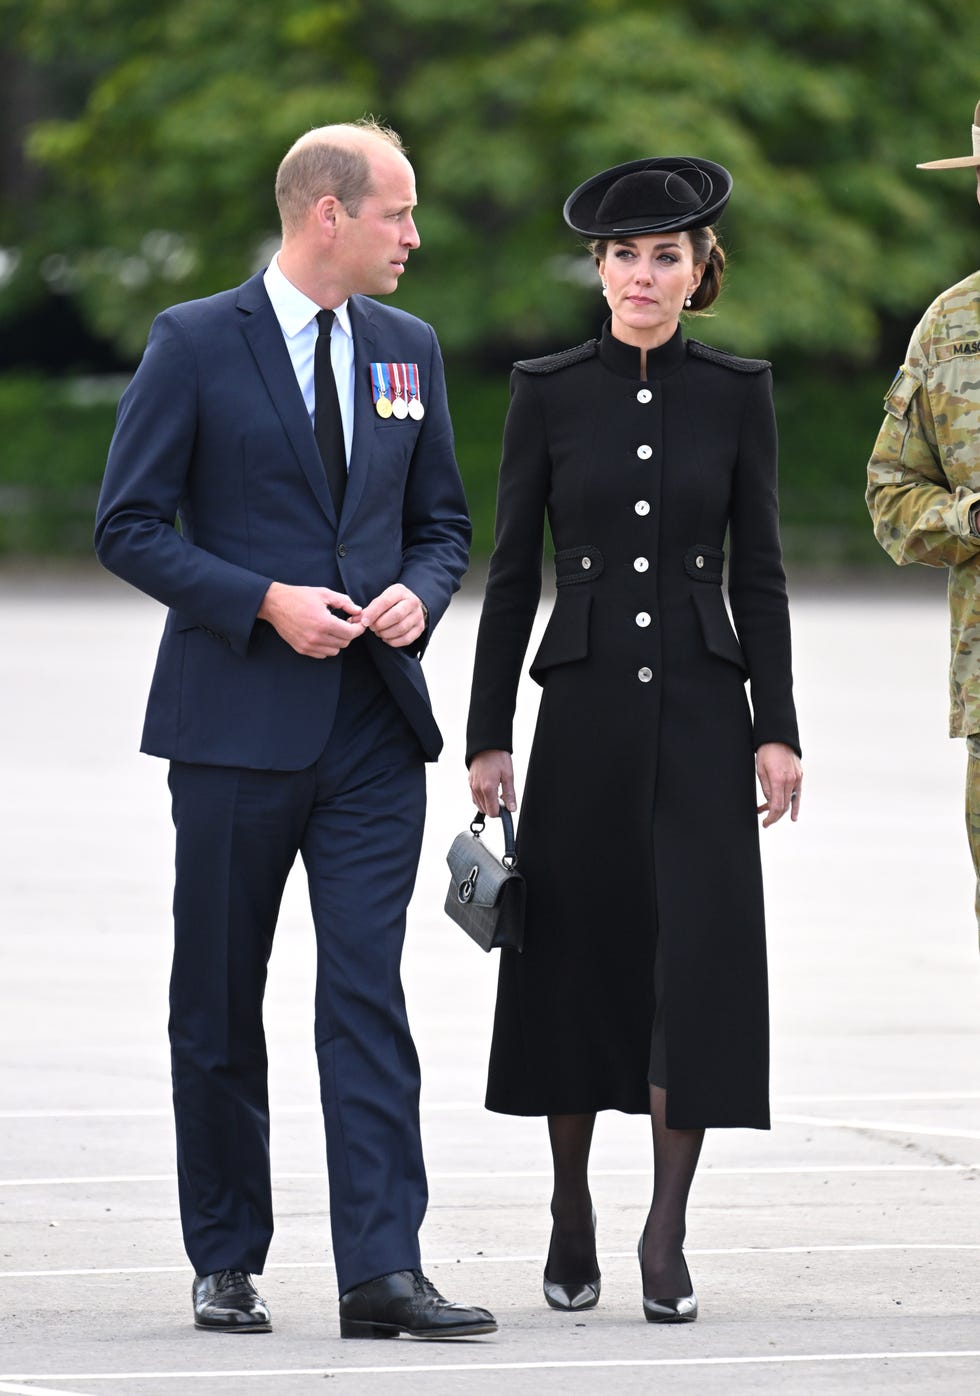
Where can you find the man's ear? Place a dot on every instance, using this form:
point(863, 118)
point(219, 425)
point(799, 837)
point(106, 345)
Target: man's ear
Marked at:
point(326, 211)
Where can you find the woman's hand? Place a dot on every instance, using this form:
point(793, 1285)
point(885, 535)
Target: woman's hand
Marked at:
point(492, 782)
point(781, 777)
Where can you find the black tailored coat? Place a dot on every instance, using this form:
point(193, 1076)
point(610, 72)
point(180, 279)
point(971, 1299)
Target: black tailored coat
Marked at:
point(638, 833)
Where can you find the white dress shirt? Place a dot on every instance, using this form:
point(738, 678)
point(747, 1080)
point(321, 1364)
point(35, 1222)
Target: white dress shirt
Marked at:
point(297, 314)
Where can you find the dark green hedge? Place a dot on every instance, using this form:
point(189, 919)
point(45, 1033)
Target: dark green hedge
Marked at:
point(54, 434)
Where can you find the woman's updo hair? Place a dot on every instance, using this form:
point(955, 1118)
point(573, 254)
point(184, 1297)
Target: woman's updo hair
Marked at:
point(705, 248)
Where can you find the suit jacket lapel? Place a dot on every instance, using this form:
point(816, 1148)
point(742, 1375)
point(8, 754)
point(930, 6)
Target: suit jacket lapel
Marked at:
point(264, 335)
point(363, 328)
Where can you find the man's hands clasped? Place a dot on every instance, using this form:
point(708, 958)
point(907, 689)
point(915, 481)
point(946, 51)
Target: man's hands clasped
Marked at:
point(320, 623)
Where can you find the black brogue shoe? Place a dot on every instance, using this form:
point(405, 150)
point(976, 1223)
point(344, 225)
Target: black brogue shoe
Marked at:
point(228, 1302)
point(406, 1302)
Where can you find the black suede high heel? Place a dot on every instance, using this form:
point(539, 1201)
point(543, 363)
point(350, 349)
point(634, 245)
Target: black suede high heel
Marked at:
point(683, 1309)
point(572, 1295)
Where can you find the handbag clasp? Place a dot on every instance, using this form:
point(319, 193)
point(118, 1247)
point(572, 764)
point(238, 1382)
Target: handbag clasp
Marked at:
point(465, 890)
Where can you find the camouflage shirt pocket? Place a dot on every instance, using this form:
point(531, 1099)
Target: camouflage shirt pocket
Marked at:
point(897, 427)
point(899, 397)
point(954, 395)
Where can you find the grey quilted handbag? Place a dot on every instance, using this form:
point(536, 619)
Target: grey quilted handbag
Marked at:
point(486, 894)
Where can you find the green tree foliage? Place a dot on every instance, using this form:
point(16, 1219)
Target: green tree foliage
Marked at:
point(159, 172)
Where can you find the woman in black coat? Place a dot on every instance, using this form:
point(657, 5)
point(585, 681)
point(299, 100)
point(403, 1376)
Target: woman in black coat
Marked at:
point(642, 985)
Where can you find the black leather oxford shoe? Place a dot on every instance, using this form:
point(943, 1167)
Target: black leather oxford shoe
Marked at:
point(406, 1302)
point(227, 1302)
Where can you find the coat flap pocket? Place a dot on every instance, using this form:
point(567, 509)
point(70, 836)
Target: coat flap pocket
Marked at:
point(573, 565)
point(704, 563)
point(719, 637)
point(567, 636)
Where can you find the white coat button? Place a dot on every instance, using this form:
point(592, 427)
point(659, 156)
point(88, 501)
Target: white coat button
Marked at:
point(586, 563)
point(644, 395)
point(699, 561)
point(640, 564)
point(642, 507)
point(643, 619)
point(645, 674)
point(644, 452)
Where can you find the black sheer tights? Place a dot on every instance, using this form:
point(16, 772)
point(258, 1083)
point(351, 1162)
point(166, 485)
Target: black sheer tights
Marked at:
point(675, 1160)
point(571, 1255)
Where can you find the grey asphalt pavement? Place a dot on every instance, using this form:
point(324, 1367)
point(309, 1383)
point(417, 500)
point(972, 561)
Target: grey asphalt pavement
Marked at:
point(838, 1253)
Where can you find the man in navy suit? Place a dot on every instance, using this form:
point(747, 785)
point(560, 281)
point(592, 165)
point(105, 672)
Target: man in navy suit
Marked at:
point(321, 534)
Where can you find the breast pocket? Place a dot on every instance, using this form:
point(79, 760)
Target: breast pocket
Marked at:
point(566, 638)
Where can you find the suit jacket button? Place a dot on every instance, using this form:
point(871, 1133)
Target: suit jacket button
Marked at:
point(586, 563)
point(644, 452)
point(644, 674)
point(640, 564)
point(643, 619)
point(642, 507)
point(644, 395)
point(342, 550)
point(699, 561)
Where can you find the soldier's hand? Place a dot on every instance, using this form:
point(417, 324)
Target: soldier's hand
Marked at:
point(781, 777)
point(305, 618)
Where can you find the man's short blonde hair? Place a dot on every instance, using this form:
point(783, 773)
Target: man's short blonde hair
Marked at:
point(329, 160)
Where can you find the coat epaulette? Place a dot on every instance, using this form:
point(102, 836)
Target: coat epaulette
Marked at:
point(719, 356)
point(551, 363)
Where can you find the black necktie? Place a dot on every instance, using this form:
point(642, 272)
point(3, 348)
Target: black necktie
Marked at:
point(327, 426)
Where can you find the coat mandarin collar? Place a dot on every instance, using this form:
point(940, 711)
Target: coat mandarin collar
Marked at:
point(624, 359)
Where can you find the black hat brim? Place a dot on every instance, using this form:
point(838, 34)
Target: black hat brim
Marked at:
point(582, 205)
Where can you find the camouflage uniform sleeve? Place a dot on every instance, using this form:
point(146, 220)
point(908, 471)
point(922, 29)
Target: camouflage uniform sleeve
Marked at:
point(917, 515)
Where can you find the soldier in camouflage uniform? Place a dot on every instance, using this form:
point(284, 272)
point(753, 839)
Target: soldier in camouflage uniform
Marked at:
point(924, 484)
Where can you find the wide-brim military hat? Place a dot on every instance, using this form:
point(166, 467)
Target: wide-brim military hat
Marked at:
point(959, 162)
point(666, 194)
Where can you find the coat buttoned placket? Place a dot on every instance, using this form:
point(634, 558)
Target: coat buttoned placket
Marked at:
point(641, 526)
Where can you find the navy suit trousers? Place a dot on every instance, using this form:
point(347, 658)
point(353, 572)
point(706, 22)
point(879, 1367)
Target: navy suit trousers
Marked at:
point(356, 818)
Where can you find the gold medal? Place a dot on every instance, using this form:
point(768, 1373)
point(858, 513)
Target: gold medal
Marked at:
point(379, 390)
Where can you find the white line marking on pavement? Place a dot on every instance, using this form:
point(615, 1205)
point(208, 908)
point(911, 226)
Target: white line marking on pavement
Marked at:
point(893, 1096)
point(709, 1170)
point(89, 1179)
point(891, 1127)
point(436, 1107)
point(15, 1389)
point(535, 1259)
point(84, 1114)
point(769, 1360)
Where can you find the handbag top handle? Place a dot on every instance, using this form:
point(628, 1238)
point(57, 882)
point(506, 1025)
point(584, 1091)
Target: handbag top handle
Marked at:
point(509, 859)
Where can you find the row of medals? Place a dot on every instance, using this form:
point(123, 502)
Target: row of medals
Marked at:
point(399, 408)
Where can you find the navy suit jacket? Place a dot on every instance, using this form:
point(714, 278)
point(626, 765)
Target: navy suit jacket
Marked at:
point(213, 435)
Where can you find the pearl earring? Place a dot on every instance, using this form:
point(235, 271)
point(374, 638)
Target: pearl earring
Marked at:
point(687, 303)
point(605, 288)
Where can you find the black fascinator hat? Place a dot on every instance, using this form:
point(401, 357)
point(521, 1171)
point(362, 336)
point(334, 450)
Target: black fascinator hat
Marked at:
point(661, 195)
